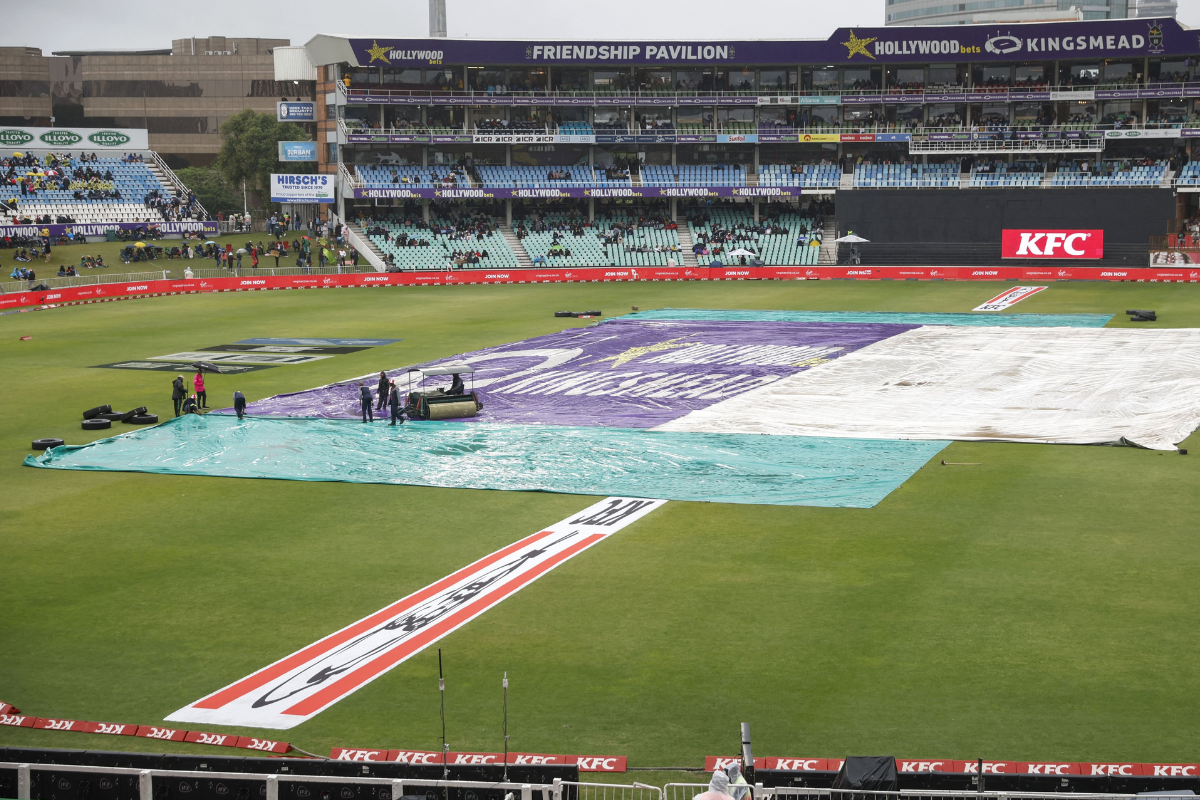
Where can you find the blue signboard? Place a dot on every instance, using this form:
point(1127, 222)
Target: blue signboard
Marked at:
point(297, 151)
point(296, 112)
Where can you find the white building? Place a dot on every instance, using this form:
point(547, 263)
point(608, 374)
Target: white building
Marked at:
point(979, 12)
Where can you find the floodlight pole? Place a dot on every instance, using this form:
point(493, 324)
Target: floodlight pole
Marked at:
point(442, 692)
point(506, 726)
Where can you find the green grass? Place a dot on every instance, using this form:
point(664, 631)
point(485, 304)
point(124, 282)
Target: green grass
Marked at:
point(69, 256)
point(1040, 606)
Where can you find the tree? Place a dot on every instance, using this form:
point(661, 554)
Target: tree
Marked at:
point(250, 152)
point(212, 190)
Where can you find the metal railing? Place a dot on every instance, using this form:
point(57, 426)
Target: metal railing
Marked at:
point(612, 791)
point(525, 97)
point(397, 786)
point(198, 211)
point(683, 791)
point(248, 272)
point(8, 287)
point(795, 792)
point(1012, 130)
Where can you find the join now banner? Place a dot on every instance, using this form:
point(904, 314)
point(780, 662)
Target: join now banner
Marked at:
point(123, 291)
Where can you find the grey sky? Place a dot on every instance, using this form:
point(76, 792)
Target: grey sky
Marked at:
point(147, 24)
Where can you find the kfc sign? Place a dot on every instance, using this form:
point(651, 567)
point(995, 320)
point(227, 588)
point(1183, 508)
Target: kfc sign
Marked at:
point(1052, 244)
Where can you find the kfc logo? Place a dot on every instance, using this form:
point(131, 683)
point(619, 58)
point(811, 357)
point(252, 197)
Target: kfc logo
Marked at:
point(1052, 244)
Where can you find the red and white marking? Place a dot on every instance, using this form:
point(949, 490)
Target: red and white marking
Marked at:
point(304, 684)
point(1010, 298)
point(585, 763)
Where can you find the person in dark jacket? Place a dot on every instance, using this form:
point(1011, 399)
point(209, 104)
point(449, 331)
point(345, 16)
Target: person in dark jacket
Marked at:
point(190, 406)
point(456, 384)
point(381, 389)
point(394, 404)
point(177, 393)
point(239, 404)
point(364, 394)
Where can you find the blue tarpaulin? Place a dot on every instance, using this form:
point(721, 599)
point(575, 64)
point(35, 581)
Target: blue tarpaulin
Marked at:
point(712, 467)
point(875, 317)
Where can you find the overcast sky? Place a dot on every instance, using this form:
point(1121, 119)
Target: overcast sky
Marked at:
point(148, 24)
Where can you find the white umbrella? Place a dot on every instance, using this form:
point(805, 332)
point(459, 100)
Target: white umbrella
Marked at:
point(850, 237)
point(741, 251)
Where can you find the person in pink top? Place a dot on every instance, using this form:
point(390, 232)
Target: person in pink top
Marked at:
point(201, 395)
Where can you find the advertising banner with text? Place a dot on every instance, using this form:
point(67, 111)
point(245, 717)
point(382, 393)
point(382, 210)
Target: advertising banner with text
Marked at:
point(98, 139)
point(1015, 273)
point(1088, 244)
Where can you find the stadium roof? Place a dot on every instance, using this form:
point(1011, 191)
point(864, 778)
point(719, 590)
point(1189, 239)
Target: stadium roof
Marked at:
point(1008, 42)
point(161, 52)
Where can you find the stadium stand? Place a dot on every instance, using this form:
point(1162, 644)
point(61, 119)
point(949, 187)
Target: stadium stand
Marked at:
point(65, 189)
point(411, 176)
point(988, 174)
point(1137, 172)
point(811, 176)
point(1190, 176)
point(929, 176)
point(565, 240)
point(694, 175)
point(575, 129)
point(523, 177)
point(792, 240)
point(473, 241)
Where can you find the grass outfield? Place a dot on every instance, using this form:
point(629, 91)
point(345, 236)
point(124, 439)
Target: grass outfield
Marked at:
point(69, 255)
point(1041, 606)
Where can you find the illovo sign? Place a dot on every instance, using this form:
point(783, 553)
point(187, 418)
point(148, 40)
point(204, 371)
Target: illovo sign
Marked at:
point(75, 138)
point(1088, 244)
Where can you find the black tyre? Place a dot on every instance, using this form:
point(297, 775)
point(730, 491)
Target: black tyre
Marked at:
point(92, 413)
point(143, 419)
point(113, 416)
point(46, 444)
point(128, 415)
point(96, 424)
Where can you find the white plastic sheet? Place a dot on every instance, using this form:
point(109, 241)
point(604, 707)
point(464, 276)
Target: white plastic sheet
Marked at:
point(1053, 385)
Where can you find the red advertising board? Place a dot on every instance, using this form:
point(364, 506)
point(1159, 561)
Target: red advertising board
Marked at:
point(124, 291)
point(585, 763)
point(1065, 244)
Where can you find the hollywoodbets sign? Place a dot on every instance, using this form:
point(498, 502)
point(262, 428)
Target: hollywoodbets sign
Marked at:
point(1056, 40)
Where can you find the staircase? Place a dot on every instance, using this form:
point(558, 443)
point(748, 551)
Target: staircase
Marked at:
point(828, 255)
point(167, 177)
point(1167, 178)
point(368, 249)
point(686, 243)
point(846, 181)
point(514, 244)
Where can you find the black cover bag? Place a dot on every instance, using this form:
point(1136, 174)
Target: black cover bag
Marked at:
point(876, 773)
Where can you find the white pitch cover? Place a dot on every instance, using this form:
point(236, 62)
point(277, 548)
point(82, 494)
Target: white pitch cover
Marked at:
point(304, 684)
point(1052, 385)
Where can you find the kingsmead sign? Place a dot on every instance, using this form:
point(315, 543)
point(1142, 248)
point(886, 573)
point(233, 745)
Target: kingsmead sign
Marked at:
point(74, 138)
